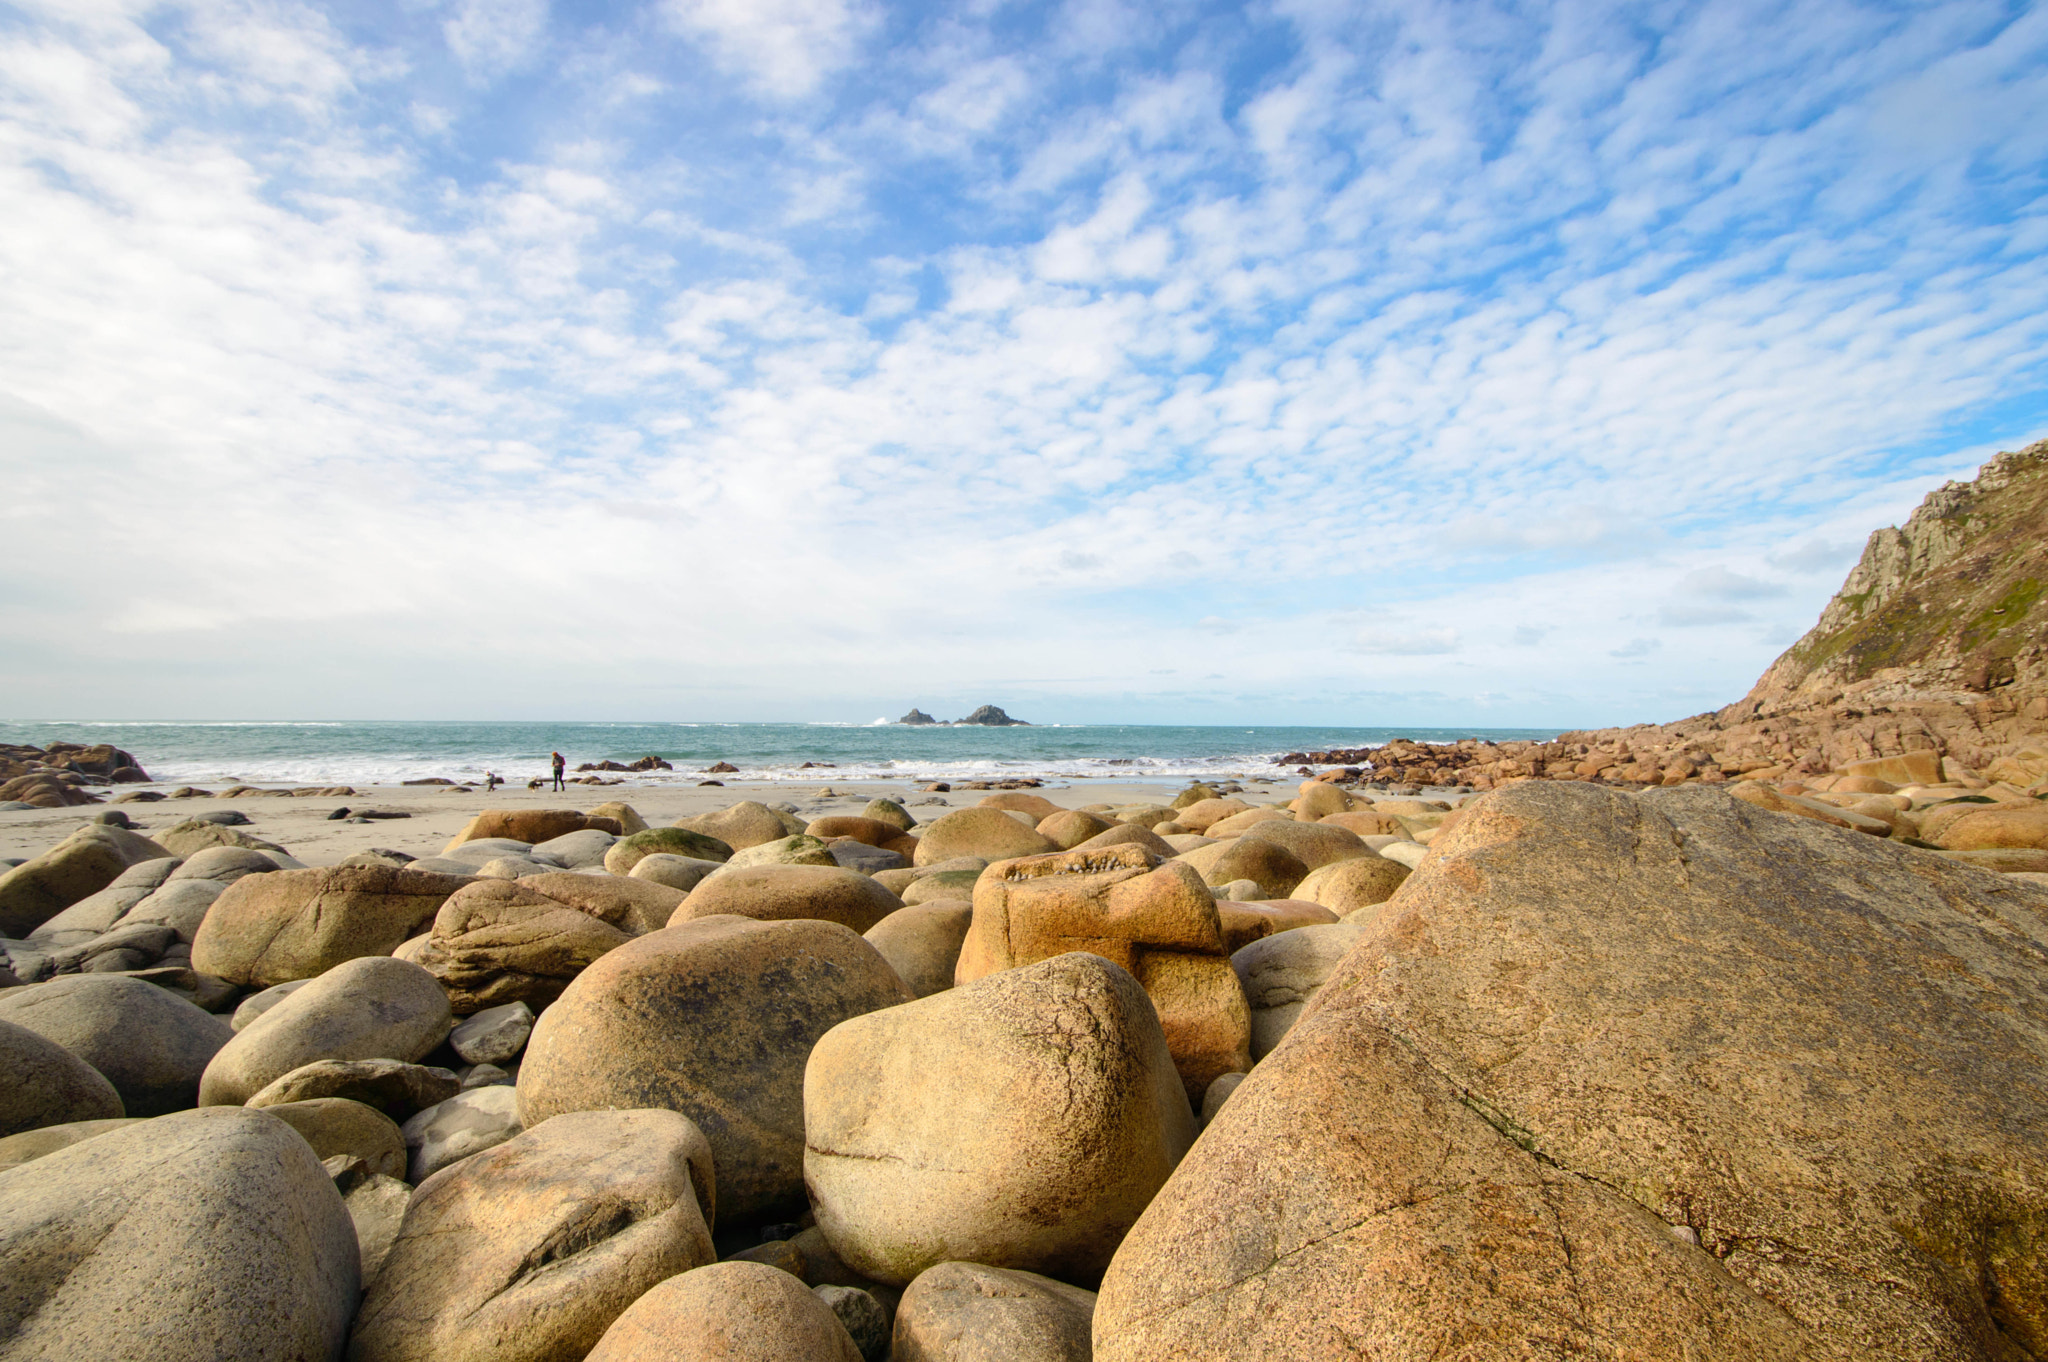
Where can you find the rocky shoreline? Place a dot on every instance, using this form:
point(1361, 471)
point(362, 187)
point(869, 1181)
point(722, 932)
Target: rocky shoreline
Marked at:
point(839, 1072)
point(1725, 1038)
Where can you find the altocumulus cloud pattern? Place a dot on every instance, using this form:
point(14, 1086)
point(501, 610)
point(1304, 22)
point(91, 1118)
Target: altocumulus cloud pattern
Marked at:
point(1401, 362)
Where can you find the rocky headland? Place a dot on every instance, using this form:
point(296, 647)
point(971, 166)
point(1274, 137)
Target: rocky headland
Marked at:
point(1722, 1039)
point(1935, 650)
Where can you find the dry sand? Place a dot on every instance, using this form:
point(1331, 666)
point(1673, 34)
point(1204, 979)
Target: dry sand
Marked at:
point(302, 826)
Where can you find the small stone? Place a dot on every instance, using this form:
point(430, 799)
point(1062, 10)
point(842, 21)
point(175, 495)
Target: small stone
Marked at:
point(493, 1035)
point(867, 1323)
point(485, 1076)
point(467, 1123)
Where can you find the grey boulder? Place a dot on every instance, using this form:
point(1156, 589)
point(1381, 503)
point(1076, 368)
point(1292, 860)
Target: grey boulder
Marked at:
point(44, 1084)
point(148, 1042)
point(207, 1236)
point(373, 1007)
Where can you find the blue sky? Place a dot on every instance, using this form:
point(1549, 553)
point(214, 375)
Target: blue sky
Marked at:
point(807, 359)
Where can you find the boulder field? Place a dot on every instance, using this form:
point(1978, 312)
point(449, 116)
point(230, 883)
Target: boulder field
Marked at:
point(1732, 1069)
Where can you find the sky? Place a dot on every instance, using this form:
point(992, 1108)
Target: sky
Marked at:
point(1471, 363)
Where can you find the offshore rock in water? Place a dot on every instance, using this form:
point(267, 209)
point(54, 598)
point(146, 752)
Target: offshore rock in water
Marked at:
point(992, 716)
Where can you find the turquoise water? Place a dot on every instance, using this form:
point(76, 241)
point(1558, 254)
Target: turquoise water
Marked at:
point(386, 753)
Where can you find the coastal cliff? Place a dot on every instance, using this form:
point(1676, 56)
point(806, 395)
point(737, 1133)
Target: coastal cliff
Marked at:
point(1936, 644)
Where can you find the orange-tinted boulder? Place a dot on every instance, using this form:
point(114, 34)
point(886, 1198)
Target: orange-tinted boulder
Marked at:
point(1157, 920)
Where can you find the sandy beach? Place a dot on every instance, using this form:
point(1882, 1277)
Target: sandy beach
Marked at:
point(436, 813)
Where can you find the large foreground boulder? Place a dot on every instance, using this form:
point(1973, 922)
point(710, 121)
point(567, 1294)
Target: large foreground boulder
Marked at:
point(372, 1008)
point(1020, 1121)
point(81, 865)
point(713, 1018)
point(529, 1250)
point(1664, 1076)
point(295, 924)
point(1157, 921)
point(205, 1236)
point(148, 1042)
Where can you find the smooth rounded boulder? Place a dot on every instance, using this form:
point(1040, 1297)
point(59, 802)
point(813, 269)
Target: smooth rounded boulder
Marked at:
point(202, 1236)
point(97, 913)
point(625, 815)
point(468, 1123)
point(337, 1127)
point(1255, 919)
point(394, 1088)
point(985, 832)
point(713, 1018)
point(81, 865)
point(1320, 798)
point(796, 849)
point(922, 942)
point(33, 1144)
point(529, 1250)
point(1037, 807)
point(783, 893)
point(148, 1042)
point(371, 1008)
point(531, 826)
point(1069, 828)
point(44, 1084)
point(628, 852)
point(1366, 823)
point(503, 941)
point(1817, 1135)
point(970, 1312)
point(682, 873)
point(1272, 867)
point(728, 1312)
point(2003, 826)
point(297, 924)
point(872, 831)
point(1198, 815)
point(1023, 1120)
point(745, 824)
point(1128, 834)
point(1281, 973)
point(1346, 886)
point(1315, 845)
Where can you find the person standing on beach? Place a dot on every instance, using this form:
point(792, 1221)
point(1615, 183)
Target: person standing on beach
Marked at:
point(560, 765)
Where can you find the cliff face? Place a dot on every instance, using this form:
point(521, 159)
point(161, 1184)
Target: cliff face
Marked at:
point(1937, 644)
point(1946, 609)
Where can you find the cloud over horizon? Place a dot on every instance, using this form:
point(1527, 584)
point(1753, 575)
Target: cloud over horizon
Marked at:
point(1386, 363)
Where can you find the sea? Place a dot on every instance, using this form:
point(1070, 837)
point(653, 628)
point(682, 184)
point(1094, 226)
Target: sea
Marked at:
point(388, 753)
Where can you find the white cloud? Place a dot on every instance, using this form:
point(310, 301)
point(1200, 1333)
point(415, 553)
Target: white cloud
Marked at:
point(783, 48)
point(1333, 377)
point(1407, 642)
point(493, 37)
point(1722, 584)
